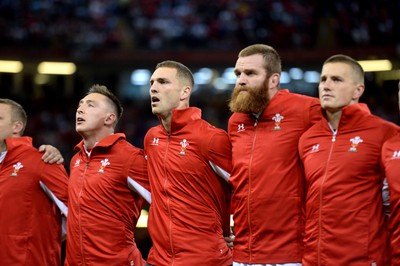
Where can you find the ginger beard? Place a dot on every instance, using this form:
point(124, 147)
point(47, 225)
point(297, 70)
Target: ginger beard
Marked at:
point(249, 99)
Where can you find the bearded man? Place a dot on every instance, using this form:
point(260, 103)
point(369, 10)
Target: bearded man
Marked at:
point(267, 176)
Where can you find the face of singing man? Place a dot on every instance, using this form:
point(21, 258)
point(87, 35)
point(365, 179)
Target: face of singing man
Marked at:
point(93, 114)
point(166, 92)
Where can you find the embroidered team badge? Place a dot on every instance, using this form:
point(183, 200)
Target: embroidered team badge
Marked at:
point(155, 141)
point(240, 128)
point(17, 166)
point(354, 143)
point(396, 155)
point(77, 162)
point(184, 144)
point(278, 119)
point(104, 163)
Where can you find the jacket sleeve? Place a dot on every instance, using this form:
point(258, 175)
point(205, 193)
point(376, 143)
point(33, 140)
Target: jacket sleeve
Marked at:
point(220, 154)
point(392, 172)
point(55, 177)
point(138, 169)
point(313, 113)
point(220, 159)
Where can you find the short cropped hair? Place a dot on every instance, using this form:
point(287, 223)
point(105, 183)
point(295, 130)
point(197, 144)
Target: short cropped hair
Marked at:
point(272, 60)
point(340, 58)
point(17, 113)
point(182, 71)
point(101, 89)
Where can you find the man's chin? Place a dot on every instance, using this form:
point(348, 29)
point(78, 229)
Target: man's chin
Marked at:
point(155, 111)
point(79, 129)
point(246, 109)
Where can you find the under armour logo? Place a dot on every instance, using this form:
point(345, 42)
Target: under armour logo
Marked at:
point(240, 127)
point(315, 148)
point(155, 141)
point(396, 155)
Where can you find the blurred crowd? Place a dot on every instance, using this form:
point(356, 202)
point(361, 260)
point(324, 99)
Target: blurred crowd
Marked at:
point(83, 25)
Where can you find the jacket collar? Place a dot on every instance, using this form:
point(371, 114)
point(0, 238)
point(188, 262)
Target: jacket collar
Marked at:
point(18, 141)
point(350, 116)
point(182, 117)
point(104, 143)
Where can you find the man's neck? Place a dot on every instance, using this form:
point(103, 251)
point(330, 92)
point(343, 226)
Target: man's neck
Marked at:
point(91, 141)
point(166, 123)
point(334, 118)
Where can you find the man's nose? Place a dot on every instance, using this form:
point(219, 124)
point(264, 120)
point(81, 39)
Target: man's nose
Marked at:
point(241, 80)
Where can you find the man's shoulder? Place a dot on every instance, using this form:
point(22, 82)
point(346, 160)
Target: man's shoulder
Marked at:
point(204, 129)
point(238, 117)
point(302, 97)
point(122, 146)
point(154, 130)
point(316, 129)
point(26, 151)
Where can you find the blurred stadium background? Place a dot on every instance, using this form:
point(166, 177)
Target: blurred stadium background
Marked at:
point(117, 43)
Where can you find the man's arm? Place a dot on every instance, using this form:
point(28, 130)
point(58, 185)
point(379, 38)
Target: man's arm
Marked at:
point(220, 155)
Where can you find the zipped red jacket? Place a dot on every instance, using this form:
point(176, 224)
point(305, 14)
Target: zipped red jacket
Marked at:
point(345, 221)
point(189, 213)
point(103, 211)
point(267, 179)
point(391, 163)
point(30, 223)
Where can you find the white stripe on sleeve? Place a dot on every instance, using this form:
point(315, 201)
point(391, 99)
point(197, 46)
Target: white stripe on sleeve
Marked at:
point(63, 208)
point(219, 171)
point(135, 186)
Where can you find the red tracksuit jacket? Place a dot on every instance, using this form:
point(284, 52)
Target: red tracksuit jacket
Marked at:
point(391, 163)
point(103, 211)
point(267, 179)
point(30, 224)
point(189, 213)
point(345, 221)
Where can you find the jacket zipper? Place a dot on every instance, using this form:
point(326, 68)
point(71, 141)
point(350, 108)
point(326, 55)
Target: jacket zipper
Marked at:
point(79, 212)
point(249, 190)
point(321, 194)
point(168, 202)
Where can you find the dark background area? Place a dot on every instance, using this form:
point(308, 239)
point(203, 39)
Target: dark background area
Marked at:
point(107, 40)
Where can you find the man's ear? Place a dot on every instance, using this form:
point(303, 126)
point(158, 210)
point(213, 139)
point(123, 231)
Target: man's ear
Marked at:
point(358, 92)
point(110, 119)
point(186, 92)
point(274, 80)
point(17, 127)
